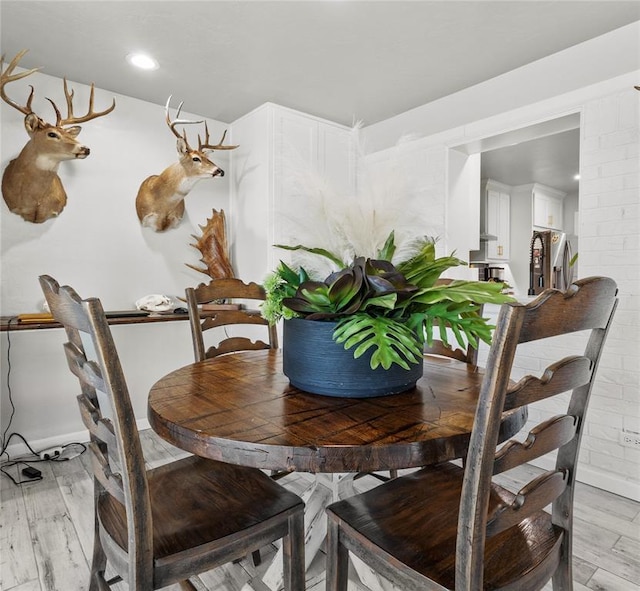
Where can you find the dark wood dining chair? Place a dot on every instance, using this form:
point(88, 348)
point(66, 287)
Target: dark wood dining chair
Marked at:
point(448, 527)
point(224, 290)
point(159, 527)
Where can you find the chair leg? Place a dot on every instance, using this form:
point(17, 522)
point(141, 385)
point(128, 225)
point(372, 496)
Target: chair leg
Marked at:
point(337, 559)
point(563, 577)
point(257, 559)
point(98, 561)
point(293, 554)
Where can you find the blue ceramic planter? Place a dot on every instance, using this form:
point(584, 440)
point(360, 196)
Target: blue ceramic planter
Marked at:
point(313, 362)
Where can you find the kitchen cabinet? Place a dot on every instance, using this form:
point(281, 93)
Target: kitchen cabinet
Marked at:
point(547, 207)
point(277, 148)
point(495, 217)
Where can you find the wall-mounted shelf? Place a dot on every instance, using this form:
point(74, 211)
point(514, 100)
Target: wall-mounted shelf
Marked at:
point(11, 322)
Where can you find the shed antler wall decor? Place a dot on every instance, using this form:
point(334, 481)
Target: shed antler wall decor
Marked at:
point(160, 200)
point(31, 186)
point(214, 248)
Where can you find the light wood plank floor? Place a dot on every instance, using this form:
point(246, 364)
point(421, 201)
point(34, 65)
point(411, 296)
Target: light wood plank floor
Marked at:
point(46, 533)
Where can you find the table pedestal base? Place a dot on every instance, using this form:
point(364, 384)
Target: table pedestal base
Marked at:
point(324, 490)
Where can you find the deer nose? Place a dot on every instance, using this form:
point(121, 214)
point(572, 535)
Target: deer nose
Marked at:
point(219, 172)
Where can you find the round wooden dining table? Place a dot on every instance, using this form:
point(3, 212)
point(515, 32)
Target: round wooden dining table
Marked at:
point(241, 409)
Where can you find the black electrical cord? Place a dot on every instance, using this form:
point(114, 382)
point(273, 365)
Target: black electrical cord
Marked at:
point(28, 461)
point(4, 441)
point(37, 475)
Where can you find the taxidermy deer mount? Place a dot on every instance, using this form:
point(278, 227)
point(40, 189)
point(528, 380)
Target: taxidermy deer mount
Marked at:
point(160, 200)
point(31, 186)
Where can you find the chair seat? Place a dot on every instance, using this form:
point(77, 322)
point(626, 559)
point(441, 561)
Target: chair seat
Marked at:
point(201, 510)
point(420, 530)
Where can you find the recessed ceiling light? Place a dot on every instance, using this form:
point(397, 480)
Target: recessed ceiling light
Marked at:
point(142, 61)
point(576, 177)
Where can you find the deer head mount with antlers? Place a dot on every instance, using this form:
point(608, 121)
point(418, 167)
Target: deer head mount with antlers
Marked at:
point(31, 186)
point(160, 200)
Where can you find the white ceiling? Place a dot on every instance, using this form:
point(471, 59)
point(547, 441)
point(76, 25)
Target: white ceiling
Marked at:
point(342, 60)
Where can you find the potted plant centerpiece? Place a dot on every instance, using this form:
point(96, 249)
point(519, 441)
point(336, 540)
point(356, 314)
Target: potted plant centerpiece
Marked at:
point(360, 331)
point(359, 292)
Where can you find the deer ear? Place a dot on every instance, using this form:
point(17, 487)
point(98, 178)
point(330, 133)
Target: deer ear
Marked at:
point(181, 146)
point(73, 131)
point(32, 123)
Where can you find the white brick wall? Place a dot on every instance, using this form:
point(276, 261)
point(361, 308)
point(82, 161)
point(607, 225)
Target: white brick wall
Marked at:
point(610, 245)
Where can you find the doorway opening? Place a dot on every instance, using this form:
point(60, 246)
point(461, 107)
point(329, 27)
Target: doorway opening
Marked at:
point(539, 160)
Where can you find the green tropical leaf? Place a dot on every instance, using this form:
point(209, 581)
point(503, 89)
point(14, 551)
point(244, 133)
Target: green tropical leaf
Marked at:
point(319, 251)
point(388, 250)
point(392, 342)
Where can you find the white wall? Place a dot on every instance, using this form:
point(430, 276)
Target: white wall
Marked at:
point(609, 207)
point(98, 246)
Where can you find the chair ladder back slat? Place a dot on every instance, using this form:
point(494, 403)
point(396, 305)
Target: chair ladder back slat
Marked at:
point(228, 288)
point(226, 317)
point(562, 376)
point(439, 348)
point(99, 427)
point(101, 466)
point(235, 344)
point(533, 497)
point(542, 439)
point(558, 318)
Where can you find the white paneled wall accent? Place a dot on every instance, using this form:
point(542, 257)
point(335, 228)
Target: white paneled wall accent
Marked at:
point(419, 174)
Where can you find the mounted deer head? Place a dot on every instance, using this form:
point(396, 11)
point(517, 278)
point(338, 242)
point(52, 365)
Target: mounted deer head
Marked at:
point(31, 186)
point(160, 200)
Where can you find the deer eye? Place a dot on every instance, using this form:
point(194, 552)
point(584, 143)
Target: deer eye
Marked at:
point(196, 159)
point(52, 134)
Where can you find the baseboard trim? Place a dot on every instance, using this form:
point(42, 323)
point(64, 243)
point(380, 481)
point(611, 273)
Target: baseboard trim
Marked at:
point(608, 481)
point(19, 449)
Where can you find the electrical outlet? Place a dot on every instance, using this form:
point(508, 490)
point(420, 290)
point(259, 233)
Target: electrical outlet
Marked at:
point(49, 454)
point(630, 439)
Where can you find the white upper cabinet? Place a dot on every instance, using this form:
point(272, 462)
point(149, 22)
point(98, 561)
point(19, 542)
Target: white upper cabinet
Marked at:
point(547, 207)
point(495, 215)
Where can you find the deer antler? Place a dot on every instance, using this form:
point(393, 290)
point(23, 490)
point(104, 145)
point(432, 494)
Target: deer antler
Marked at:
point(177, 121)
point(8, 76)
point(213, 248)
point(208, 146)
point(70, 118)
